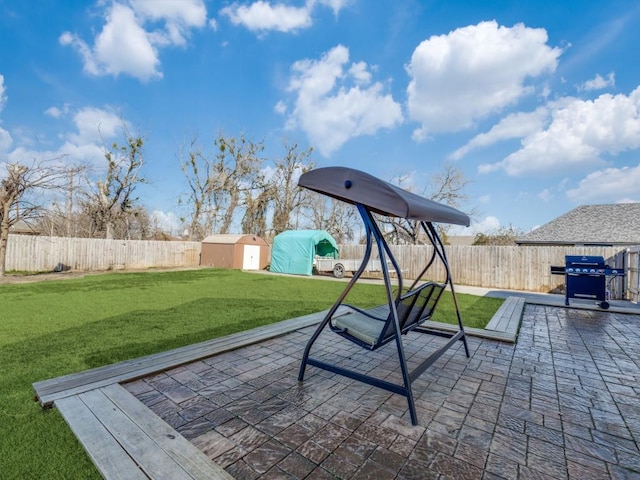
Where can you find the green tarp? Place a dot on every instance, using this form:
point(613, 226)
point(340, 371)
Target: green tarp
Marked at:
point(293, 251)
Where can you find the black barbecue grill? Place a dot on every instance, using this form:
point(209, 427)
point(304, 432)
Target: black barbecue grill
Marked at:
point(586, 278)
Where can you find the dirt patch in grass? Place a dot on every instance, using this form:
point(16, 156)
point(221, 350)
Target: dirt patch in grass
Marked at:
point(39, 277)
point(11, 278)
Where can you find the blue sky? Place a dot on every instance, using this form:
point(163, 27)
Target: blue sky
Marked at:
point(537, 102)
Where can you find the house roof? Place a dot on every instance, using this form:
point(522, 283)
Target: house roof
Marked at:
point(22, 227)
point(461, 240)
point(610, 224)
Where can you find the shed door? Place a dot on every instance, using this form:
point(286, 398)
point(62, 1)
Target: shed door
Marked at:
point(251, 257)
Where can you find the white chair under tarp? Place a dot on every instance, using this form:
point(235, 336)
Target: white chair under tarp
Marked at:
point(405, 310)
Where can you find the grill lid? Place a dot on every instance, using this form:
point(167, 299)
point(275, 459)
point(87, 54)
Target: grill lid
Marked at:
point(584, 261)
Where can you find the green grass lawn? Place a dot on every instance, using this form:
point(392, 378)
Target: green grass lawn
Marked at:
point(52, 328)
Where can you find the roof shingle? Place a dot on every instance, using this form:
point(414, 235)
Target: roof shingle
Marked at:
point(610, 224)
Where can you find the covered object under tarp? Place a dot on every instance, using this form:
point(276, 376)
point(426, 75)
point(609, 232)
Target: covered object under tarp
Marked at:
point(293, 251)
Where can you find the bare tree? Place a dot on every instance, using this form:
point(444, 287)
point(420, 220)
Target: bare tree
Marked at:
point(197, 169)
point(254, 220)
point(219, 184)
point(62, 219)
point(236, 171)
point(112, 200)
point(289, 199)
point(336, 217)
point(401, 231)
point(20, 191)
point(448, 188)
point(501, 236)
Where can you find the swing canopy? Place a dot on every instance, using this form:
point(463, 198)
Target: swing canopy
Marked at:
point(357, 187)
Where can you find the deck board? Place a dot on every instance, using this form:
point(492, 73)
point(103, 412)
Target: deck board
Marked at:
point(143, 450)
point(125, 440)
point(507, 318)
point(181, 451)
point(105, 452)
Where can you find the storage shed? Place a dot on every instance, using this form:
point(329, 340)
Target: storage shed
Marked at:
point(246, 252)
point(294, 251)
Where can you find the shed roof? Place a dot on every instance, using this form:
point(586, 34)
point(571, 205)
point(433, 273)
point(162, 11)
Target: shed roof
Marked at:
point(229, 239)
point(609, 224)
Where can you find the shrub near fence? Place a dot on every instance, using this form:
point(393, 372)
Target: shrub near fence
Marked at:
point(45, 254)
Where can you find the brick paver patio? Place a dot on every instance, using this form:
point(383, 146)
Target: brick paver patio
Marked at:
point(563, 403)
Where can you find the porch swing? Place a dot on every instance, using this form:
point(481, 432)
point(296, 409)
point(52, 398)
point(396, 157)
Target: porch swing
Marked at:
point(405, 311)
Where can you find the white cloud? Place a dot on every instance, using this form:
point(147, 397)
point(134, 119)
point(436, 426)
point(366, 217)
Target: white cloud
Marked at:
point(84, 145)
point(335, 102)
point(578, 132)
point(56, 112)
point(599, 83)
point(180, 16)
point(122, 46)
point(190, 13)
point(486, 225)
point(472, 72)
point(86, 154)
point(515, 125)
point(545, 195)
point(5, 138)
point(335, 5)
point(166, 222)
point(611, 185)
point(263, 16)
point(94, 125)
point(3, 95)
point(93, 128)
point(360, 72)
point(280, 107)
point(125, 46)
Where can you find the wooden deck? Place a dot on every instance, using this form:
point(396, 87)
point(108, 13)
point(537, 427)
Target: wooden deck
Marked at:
point(125, 440)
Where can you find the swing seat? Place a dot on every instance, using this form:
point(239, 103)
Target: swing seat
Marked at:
point(374, 327)
point(403, 312)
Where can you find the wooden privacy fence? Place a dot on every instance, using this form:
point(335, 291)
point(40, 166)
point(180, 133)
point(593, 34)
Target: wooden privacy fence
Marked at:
point(46, 254)
point(504, 267)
